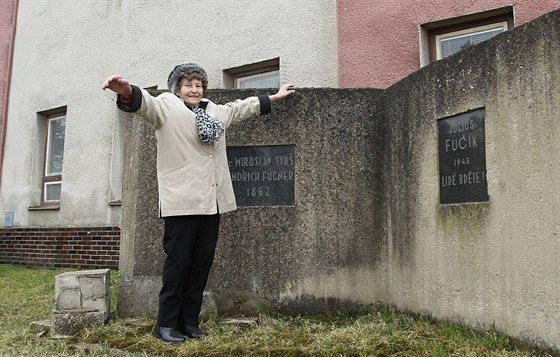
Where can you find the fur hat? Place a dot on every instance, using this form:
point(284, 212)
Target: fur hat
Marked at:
point(187, 68)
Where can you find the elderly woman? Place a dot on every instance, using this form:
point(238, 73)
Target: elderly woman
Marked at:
point(194, 183)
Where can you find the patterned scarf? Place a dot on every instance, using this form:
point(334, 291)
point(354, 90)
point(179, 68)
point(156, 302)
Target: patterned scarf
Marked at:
point(210, 130)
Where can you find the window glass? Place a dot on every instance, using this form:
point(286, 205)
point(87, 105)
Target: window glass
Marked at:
point(52, 191)
point(260, 80)
point(451, 43)
point(55, 146)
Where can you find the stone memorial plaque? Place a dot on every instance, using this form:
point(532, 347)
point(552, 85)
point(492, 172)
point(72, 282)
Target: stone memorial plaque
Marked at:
point(263, 175)
point(462, 158)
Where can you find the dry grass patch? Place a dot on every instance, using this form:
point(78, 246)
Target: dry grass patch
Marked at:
point(28, 294)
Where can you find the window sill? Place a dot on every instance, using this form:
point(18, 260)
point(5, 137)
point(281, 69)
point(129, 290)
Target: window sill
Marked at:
point(44, 208)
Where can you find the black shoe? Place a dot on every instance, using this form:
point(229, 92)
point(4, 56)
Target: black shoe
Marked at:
point(194, 332)
point(168, 334)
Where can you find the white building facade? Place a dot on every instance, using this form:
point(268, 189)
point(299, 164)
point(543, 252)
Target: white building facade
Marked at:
point(63, 148)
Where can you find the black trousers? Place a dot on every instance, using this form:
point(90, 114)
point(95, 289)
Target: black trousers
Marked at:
point(189, 243)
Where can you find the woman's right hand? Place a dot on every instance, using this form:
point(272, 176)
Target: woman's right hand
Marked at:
point(119, 85)
point(284, 91)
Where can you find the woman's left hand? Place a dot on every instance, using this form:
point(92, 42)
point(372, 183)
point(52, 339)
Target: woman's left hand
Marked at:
point(284, 91)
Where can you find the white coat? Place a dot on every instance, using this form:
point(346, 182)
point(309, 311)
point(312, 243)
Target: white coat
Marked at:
point(193, 177)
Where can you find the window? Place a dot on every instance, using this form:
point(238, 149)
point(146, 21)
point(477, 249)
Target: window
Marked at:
point(447, 37)
point(264, 74)
point(453, 42)
point(260, 80)
point(54, 158)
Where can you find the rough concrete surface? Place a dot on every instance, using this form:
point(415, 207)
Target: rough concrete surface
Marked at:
point(367, 226)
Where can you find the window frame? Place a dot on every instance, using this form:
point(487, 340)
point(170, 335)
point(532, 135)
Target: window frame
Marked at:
point(232, 75)
point(47, 183)
point(53, 178)
point(464, 27)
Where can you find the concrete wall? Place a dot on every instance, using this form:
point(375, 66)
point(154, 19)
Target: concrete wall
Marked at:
point(329, 244)
point(367, 59)
point(325, 237)
point(367, 225)
point(495, 263)
point(63, 53)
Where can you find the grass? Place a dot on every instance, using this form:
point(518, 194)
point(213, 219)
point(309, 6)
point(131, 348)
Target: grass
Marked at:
point(28, 295)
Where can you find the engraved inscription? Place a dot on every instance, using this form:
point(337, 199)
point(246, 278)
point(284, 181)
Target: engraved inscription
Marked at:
point(263, 175)
point(462, 158)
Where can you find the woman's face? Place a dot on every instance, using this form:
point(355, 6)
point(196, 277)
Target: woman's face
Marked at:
point(190, 91)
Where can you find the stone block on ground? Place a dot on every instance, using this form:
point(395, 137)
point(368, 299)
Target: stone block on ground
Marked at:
point(87, 289)
point(69, 322)
point(40, 328)
point(240, 321)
